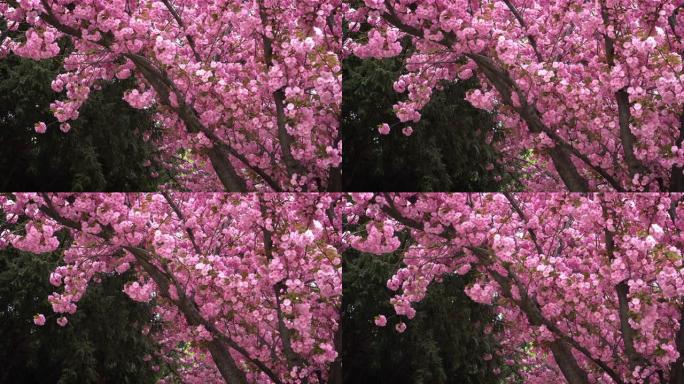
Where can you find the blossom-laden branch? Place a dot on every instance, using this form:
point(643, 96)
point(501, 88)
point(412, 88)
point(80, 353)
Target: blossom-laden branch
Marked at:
point(592, 90)
point(249, 94)
point(594, 281)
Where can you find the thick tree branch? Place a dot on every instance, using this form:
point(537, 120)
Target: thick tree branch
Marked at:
point(215, 139)
point(622, 291)
point(566, 361)
point(624, 115)
point(506, 86)
point(284, 332)
point(560, 350)
point(222, 358)
point(523, 25)
point(164, 86)
point(677, 367)
point(224, 361)
point(562, 354)
point(284, 138)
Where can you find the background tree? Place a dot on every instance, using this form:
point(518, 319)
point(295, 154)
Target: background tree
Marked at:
point(450, 339)
point(448, 150)
point(103, 343)
point(104, 150)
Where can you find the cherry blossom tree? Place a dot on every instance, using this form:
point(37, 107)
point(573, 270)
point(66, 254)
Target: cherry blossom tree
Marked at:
point(246, 288)
point(590, 287)
point(247, 92)
point(593, 89)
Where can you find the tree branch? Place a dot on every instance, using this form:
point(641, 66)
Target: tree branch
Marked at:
point(220, 355)
point(624, 115)
point(563, 356)
point(523, 25)
point(285, 333)
point(222, 358)
point(293, 166)
point(520, 213)
point(179, 213)
point(506, 86)
point(191, 40)
point(622, 290)
point(164, 86)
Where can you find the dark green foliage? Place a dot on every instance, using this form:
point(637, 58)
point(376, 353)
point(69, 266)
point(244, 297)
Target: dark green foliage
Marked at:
point(447, 151)
point(103, 342)
point(104, 150)
point(443, 344)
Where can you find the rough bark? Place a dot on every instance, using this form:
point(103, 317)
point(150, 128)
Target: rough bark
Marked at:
point(284, 138)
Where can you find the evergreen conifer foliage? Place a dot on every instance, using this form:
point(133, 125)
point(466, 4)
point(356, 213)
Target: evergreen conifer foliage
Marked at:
point(448, 150)
point(104, 150)
point(104, 342)
point(446, 340)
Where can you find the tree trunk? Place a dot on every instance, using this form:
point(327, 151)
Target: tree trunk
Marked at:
point(225, 363)
point(677, 368)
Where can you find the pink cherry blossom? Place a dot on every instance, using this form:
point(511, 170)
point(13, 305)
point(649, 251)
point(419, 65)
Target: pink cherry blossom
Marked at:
point(62, 321)
point(40, 127)
point(39, 319)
